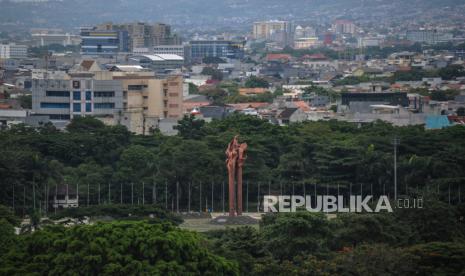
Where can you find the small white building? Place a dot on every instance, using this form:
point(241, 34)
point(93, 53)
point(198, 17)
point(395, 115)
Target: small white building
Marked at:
point(65, 196)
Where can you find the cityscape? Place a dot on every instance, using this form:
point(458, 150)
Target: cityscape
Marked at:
point(342, 123)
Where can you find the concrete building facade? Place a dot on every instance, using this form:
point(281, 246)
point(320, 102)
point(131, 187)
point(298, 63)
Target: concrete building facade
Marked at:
point(77, 95)
point(13, 50)
point(265, 29)
point(147, 100)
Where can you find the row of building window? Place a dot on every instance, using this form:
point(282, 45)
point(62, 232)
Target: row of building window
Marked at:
point(59, 116)
point(54, 105)
point(104, 105)
point(77, 94)
point(104, 94)
point(136, 87)
point(57, 93)
point(77, 106)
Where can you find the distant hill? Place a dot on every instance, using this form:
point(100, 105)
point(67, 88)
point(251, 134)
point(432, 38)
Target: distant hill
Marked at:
point(197, 13)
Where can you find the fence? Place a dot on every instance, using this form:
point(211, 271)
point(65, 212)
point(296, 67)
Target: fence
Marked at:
point(210, 196)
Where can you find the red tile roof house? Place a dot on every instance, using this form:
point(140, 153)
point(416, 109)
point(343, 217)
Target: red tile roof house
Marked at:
point(278, 57)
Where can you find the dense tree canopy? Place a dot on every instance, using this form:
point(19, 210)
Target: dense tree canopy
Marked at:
point(118, 248)
point(108, 162)
point(214, 73)
point(305, 243)
point(253, 82)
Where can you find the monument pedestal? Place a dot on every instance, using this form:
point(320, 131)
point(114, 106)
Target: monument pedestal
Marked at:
point(236, 220)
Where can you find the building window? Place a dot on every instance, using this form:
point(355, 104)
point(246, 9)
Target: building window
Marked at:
point(146, 97)
point(58, 117)
point(165, 103)
point(54, 105)
point(88, 107)
point(174, 105)
point(104, 105)
point(104, 94)
point(165, 92)
point(165, 114)
point(135, 87)
point(174, 94)
point(88, 95)
point(57, 93)
point(77, 107)
point(77, 95)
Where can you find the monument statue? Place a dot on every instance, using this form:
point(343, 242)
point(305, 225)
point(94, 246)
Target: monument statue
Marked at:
point(234, 162)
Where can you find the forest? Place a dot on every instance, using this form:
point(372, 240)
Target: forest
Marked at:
point(158, 174)
point(108, 165)
point(428, 241)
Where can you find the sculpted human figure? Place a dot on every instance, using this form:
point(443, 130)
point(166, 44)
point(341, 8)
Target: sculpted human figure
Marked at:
point(235, 154)
point(240, 163)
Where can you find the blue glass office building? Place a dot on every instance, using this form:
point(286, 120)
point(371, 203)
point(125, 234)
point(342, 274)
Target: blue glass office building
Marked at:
point(216, 48)
point(98, 42)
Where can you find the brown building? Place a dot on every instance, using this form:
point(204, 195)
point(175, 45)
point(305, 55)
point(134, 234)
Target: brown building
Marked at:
point(147, 99)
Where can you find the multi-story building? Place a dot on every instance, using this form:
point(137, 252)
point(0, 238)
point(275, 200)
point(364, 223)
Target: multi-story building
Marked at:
point(160, 34)
point(277, 31)
point(216, 48)
point(265, 29)
point(180, 50)
point(13, 50)
point(342, 26)
point(158, 63)
point(363, 42)
point(428, 36)
point(147, 100)
point(97, 42)
point(305, 42)
point(136, 99)
point(45, 38)
point(144, 35)
point(301, 32)
point(79, 94)
point(390, 98)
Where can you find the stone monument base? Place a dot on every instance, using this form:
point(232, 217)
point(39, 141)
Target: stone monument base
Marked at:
point(239, 220)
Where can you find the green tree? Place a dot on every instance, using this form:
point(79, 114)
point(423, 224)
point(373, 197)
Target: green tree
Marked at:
point(298, 233)
point(253, 82)
point(190, 127)
point(213, 60)
point(214, 73)
point(193, 89)
point(25, 101)
point(86, 123)
point(376, 259)
point(439, 258)
point(118, 248)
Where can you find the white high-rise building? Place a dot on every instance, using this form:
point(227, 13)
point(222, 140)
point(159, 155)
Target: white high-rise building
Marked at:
point(13, 50)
